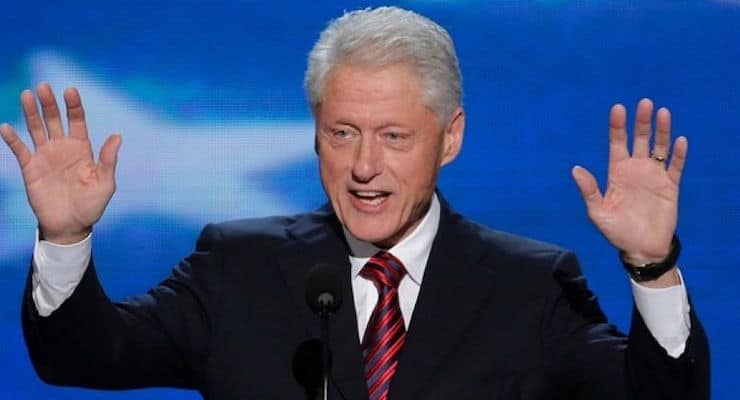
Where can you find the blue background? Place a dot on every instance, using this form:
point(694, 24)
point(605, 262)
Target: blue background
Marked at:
point(182, 78)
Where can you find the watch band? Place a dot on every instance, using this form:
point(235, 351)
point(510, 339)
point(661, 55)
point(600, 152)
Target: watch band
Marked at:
point(652, 271)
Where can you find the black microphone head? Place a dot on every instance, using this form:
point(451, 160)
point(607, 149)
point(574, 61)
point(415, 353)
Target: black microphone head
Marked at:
point(323, 288)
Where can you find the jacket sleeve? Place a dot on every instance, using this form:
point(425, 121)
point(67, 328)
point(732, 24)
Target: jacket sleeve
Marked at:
point(590, 358)
point(653, 374)
point(160, 338)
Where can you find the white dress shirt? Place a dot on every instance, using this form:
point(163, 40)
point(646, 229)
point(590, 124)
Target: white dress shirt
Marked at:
point(58, 269)
point(413, 252)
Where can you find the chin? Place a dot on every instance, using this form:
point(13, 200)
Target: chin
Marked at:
point(367, 235)
point(375, 236)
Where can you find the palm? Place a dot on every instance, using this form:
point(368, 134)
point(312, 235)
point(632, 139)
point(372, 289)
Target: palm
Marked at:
point(67, 190)
point(638, 212)
point(642, 201)
point(63, 187)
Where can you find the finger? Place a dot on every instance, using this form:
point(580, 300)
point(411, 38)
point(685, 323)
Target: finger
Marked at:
point(588, 187)
point(617, 136)
point(678, 160)
point(643, 115)
point(52, 118)
point(33, 118)
point(109, 156)
point(662, 133)
point(75, 114)
point(22, 154)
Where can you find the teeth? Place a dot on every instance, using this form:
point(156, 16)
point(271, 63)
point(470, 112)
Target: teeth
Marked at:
point(373, 201)
point(369, 194)
point(372, 198)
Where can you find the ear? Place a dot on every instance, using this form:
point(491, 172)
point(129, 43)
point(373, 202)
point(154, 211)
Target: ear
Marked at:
point(315, 110)
point(315, 133)
point(453, 136)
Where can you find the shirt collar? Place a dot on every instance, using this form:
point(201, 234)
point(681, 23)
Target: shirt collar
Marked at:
point(413, 250)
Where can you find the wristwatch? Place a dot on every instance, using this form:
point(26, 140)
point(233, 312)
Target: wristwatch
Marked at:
point(652, 271)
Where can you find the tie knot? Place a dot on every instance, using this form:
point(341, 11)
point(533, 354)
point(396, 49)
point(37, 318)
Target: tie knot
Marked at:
point(384, 269)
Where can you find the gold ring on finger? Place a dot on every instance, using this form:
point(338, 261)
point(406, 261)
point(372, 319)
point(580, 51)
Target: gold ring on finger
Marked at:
point(659, 157)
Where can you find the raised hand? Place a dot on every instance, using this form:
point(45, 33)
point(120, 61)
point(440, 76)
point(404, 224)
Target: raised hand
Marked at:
point(67, 190)
point(638, 212)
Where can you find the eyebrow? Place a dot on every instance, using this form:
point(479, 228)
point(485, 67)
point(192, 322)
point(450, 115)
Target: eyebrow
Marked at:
point(384, 125)
point(393, 125)
point(341, 122)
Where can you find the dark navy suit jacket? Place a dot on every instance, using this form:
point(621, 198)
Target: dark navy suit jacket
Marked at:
point(497, 317)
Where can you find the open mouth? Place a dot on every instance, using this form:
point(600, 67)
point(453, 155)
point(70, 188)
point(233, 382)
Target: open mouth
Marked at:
point(369, 197)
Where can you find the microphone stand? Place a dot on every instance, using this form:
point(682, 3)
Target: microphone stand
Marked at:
point(324, 296)
point(325, 354)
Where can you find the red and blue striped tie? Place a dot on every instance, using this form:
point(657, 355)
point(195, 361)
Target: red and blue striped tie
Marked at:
point(386, 331)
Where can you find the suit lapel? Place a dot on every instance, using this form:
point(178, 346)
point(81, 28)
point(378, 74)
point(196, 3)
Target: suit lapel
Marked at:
point(453, 289)
point(315, 239)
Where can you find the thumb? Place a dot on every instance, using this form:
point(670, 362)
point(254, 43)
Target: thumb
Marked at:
point(109, 156)
point(588, 187)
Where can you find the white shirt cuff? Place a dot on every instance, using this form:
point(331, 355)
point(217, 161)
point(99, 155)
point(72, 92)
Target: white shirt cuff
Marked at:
point(57, 270)
point(666, 314)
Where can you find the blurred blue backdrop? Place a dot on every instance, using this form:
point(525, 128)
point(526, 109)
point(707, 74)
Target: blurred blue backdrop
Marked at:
point(208, 98)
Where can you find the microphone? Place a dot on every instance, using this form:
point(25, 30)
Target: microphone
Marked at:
point(324, 297)
point(323, 289)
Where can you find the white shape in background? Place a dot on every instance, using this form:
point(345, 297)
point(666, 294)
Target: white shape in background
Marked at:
point(197, 171)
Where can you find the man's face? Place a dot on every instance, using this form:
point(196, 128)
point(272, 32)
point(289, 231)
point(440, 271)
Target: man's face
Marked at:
point(380, 149)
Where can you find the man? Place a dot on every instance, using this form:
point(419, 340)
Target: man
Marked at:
point(441, 308)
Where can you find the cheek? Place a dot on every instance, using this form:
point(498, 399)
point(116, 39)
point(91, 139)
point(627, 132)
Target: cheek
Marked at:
point(332, 171)
point(419, 173)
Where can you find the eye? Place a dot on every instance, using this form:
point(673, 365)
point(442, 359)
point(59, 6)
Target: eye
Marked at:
point(395, 136)
point(341, 135)
point(398, 140)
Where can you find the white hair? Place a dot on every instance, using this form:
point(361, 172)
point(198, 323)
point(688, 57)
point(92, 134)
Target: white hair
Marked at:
point(384, 36)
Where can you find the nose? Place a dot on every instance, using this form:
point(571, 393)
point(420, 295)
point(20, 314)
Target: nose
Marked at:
point(368, 161)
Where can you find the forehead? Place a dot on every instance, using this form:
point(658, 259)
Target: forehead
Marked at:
point(373, 92)
point(347, 80)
